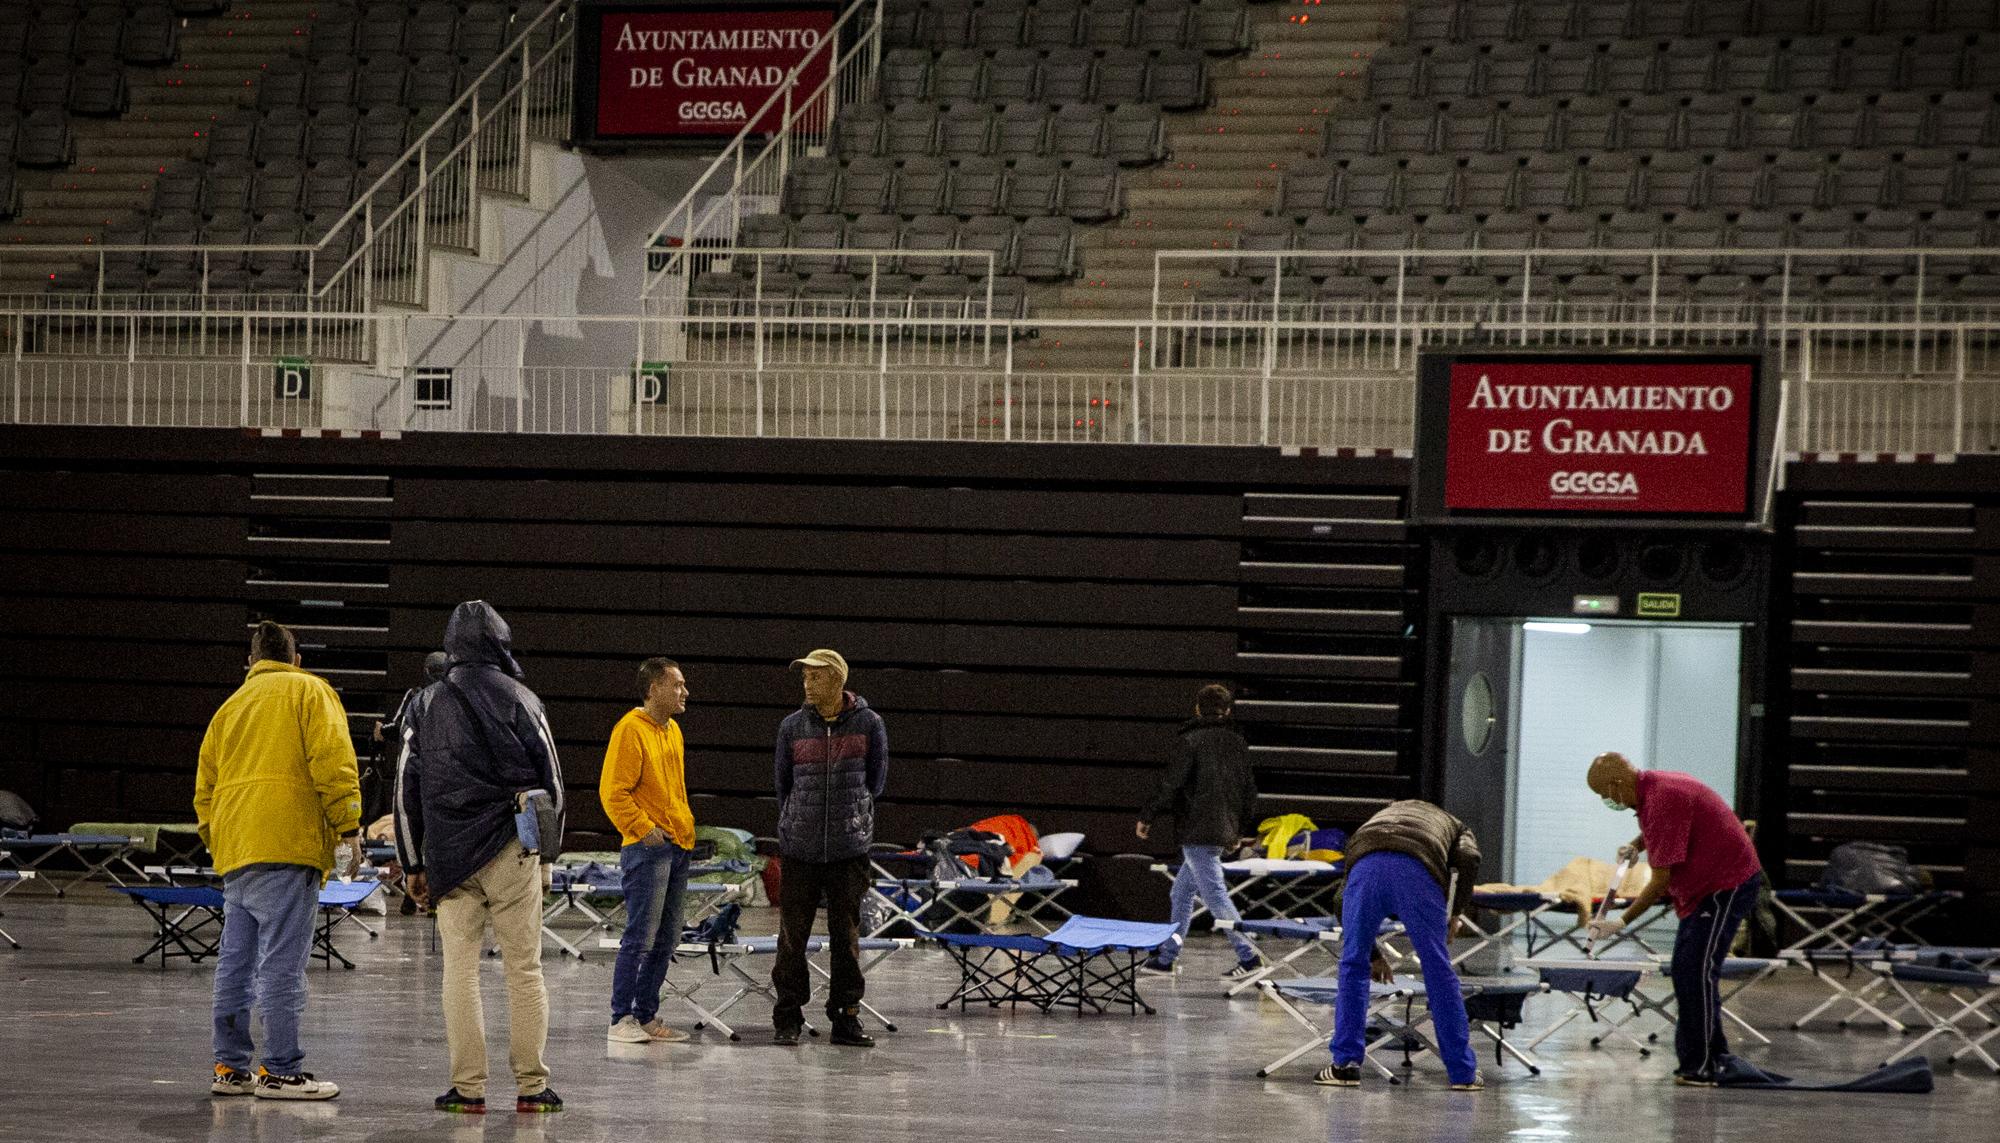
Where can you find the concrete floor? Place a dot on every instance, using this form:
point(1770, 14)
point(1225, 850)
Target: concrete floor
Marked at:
point(100, 1049)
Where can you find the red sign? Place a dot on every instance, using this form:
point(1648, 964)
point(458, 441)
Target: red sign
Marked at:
point(705, 71)
point(1600, 436)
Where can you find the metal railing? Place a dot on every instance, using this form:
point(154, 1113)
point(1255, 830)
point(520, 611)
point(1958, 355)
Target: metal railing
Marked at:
point(1849, 387)
point(1280, 290)
point(375, 252)
point(749, 174)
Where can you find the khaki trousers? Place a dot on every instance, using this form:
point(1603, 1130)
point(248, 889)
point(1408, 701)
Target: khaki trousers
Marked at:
point(509, 891)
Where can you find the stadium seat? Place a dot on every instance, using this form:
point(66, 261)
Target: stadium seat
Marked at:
point(1034, 188)
point(920, 186)
point(1307, 188)
point(965, 130)
point(1121, 76)
point(1590, 124)
point(997, 26)
point(1136, 135)
point(978, 186)
point(1052, 24)
point(1367, 184)
point(1069, 75)
point(1078, 131)
point(1162, 25)
point(1427, 185)
point(911, 130)
point(1014, 76)
point(858, 131)
point(811, 187)
point(1468, 128)
point(997, 235)
point(1486, 183)
point(1529, 125)
point(1861, 180)
point(1021, 131)
point(1046, 250)
point(1406, 132)
point(928, 232)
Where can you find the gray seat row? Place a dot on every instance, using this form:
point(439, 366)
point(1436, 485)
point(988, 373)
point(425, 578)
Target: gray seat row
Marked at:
point(1487, 21)
point(1130, 135)
point(1177, 80)
point(1933, 62)
point(1894, 120)
point(1217, 26)
point(1088, 190)
point(1791, 180)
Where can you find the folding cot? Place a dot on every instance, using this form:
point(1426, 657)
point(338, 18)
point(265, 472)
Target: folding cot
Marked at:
point(12, 875)
point(184, 876)
point(187, 919)
point(1318, 938)
point(1493, 1003)
point(1590, 985)
point(598, 896)
point(1522, 912)
point(1089, 962)
point(1970, 982)
point(97, 853)
point(1278, 887)
point(171, 843)
point(1835, 967)
point(942, 904)
point(1838, 918)
point(725, 959)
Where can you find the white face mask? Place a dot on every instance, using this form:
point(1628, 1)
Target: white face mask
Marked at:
point(1614, 804)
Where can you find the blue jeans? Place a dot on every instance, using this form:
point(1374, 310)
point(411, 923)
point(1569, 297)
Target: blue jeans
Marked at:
point(267, 926)
point(1700, 944)
point(655, 880)
point(1381, 885)
point(1201, 875)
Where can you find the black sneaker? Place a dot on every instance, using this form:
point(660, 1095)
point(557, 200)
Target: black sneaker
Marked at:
point(787, 1035)
point(463, 1105)
point(1154, 966)
point(847, 1033)
point(543, 1100)
point(1339, 1075)
point(1244, 970)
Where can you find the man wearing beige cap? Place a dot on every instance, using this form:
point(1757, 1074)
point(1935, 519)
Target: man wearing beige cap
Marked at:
point(832, 762)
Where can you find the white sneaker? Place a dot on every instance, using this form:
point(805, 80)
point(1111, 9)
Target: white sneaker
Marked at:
point(299, 1086)
point(229, 1081)
point(628, 1030)
point(662, 1034)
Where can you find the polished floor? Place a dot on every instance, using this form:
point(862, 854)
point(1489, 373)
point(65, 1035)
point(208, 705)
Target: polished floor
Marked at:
point(96, 1048)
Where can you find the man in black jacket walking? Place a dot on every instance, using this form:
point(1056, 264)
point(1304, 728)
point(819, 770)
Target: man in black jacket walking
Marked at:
point(482, 741)
point(1209, 789)
point(832, 763)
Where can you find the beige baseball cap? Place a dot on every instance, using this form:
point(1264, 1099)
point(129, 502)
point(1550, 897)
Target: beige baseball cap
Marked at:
point(824, 658)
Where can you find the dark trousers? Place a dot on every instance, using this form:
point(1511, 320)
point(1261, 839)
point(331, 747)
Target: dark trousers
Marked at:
point(802, 885)
point(1699, 948)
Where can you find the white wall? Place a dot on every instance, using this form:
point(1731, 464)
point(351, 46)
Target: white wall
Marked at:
point(1696, 720)
point(1580, 696)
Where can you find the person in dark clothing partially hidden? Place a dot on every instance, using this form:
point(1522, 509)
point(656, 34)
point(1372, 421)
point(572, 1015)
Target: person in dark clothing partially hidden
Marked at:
point(832, 763)
point(1211, 792)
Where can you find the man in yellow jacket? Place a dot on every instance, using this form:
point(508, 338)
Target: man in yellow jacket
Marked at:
point(276, 790)
point(644, 790)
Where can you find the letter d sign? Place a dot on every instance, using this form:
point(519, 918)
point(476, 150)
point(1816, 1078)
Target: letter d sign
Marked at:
point(293, 380)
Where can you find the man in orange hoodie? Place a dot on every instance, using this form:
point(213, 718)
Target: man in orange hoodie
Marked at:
point(644, 790)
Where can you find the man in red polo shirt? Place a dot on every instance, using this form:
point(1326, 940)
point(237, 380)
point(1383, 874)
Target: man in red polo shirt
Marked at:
point(1703, 860)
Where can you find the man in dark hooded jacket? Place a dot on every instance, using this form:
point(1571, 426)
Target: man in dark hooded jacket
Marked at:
point(1212, 793)
point(482, 740)
point(832, 763)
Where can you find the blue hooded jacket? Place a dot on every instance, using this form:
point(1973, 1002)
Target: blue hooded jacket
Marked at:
point(483, 738)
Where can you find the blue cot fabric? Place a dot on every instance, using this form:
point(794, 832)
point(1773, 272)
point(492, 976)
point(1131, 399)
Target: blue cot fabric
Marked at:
point(266, 940)
point(1100, 934)
point(655, 882)
point(1303, 929)
point(1201, 876)
point(1935, 974)
point(1390, 884)
point(202, 896)
point(347, 894)
point(1508, 902)
point(987, 941)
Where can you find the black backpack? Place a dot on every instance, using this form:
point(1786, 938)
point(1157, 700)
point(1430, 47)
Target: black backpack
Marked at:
point(1871, 867)
point(15, 812)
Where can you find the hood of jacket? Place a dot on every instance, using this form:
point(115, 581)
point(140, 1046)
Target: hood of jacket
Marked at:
point(849, 703)
point(476, 634)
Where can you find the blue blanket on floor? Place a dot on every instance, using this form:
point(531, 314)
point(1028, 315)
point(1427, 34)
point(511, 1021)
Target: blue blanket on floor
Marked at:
point(1911, 1076)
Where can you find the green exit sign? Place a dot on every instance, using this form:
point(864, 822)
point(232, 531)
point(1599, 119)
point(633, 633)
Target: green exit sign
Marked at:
point(1659, 605)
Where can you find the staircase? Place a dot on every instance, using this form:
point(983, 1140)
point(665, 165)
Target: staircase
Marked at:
point(1223, 163)
point(171, 109)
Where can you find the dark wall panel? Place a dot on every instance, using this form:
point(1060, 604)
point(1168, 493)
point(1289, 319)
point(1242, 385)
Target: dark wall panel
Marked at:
point(1032, 621)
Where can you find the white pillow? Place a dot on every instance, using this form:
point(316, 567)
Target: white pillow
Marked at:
point(1057, 846)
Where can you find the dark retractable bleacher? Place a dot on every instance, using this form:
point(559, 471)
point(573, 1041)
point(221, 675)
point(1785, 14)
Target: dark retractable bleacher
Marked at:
point(1825, 124)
